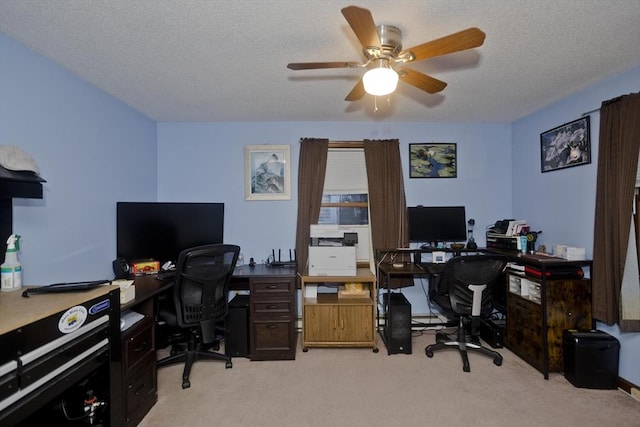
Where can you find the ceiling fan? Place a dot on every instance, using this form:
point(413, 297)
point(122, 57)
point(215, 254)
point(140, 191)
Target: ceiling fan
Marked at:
point(382, 47)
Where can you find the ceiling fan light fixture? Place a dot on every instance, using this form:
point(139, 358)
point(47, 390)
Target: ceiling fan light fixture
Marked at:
point(381, 79)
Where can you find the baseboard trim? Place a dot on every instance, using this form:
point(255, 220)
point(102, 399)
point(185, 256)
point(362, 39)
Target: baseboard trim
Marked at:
point(629, 387)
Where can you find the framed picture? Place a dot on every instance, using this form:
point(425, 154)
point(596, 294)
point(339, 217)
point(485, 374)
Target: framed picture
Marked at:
point(566, 146)
point(433, 160)
point(267, 172)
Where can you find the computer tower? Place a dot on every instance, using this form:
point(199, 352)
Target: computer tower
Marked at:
point(590, 359)
point(492, 331)
point(397, 328)
point(236, 342)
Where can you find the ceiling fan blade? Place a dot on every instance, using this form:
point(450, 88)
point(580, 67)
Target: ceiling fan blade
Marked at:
point(318, 65)
point(357, 92)
point(462, 40)
point(421, 81)
point(361, 22)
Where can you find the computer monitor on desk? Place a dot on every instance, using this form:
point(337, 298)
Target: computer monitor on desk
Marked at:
point(432, 225)
point(435, 226)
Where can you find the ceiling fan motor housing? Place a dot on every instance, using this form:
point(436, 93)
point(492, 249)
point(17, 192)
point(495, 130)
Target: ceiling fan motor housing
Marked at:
point(390, 41)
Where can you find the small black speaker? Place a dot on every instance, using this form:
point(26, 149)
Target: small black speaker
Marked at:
point(236, 341)
point(397, 329)
point(121, 268)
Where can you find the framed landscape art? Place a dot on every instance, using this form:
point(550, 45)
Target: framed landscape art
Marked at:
point(433, 160)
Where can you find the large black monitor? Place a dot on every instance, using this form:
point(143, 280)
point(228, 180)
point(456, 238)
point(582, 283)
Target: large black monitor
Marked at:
point(433, 224)
point(160, 231)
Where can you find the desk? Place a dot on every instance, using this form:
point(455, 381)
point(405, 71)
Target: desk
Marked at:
point(52, 342)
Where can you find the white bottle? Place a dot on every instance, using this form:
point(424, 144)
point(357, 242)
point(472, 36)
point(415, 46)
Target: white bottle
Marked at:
point(11, 269)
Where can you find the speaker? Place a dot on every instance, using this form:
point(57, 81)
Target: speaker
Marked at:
point(236, 341)
point(121, 268)
point(397, 328)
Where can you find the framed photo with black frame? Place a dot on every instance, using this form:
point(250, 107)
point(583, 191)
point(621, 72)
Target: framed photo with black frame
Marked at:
point(566, 146)
point(433, 160)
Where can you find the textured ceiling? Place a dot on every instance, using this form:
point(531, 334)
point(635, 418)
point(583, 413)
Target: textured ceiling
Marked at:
point(221, 60)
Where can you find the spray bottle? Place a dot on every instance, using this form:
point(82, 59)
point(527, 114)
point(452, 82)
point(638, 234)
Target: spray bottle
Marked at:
point(11, 269)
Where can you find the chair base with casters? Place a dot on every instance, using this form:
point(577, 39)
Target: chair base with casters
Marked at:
point(194, 351)
point(463, 343)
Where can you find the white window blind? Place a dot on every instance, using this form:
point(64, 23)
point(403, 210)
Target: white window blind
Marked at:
point(346, 172)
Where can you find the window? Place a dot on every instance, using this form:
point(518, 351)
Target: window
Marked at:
point(345, 199)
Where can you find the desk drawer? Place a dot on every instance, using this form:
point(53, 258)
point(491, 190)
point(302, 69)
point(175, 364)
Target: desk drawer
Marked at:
point(140, 389)
point(138, 345)
point(263, 288)
point(273, 339)
point(275, 306)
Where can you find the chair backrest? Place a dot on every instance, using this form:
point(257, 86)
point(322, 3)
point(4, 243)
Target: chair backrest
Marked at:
point(463, 271)
point(201, 284)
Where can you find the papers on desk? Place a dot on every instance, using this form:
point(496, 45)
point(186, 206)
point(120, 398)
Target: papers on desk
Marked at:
point(311, 291)
point(129, 318)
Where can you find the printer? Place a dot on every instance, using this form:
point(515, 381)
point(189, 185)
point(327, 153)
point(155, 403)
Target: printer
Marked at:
point(332, 251)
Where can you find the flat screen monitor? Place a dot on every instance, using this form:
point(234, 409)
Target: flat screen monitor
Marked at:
point(432, 224)
point(160, 231)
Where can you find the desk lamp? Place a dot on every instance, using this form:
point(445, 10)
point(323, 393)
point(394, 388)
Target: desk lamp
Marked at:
point(471, 243)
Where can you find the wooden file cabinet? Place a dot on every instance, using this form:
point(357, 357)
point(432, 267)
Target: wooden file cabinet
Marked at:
point(272, 317)
point(538, 311)
point(330, 321)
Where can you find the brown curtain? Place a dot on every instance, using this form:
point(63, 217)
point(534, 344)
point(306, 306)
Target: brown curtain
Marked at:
point(619, 146)
point(387, 203)
point(311, 170)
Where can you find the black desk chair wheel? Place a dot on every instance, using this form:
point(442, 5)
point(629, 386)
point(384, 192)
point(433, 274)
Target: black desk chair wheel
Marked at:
point(199, 305)
point(465, 291)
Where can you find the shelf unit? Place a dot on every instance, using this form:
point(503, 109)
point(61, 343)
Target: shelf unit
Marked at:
point(330, 320)
point(539, 310)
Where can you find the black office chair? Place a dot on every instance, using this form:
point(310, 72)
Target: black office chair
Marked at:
point(464, 291)
point(199, 304)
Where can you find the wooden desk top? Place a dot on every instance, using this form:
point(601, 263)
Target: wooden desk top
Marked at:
point(246, 271)
point(17, 311)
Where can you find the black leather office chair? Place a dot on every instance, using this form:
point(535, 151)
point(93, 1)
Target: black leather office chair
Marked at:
point(199, 303)
point(464, 291)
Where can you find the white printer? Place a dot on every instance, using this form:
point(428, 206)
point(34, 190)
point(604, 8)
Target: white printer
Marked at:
point(332, 251)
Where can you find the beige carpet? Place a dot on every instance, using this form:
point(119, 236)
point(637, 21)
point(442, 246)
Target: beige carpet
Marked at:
point(356, 387)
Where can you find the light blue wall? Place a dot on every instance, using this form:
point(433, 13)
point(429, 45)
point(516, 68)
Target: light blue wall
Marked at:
point(92, 149)
point(205, 162)
point(562, 203)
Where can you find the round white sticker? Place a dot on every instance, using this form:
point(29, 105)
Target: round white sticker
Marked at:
point(72, 319)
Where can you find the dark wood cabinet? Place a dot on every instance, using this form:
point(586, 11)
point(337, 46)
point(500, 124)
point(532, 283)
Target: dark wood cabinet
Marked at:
point(139, 372)
point(538, 311)
point(138, 352)
point(272, 310)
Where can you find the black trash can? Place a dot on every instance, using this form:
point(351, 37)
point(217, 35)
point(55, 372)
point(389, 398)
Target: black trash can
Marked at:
point(590, 359)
